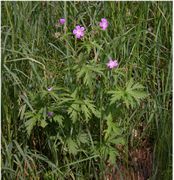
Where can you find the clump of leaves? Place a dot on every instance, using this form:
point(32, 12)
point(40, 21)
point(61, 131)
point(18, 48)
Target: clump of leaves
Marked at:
point(130, 95)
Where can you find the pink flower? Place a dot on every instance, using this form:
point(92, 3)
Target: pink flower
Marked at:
point(50, 89)
point(79, 31)
point(112, 64)
point(103, 23)
point(62, 21)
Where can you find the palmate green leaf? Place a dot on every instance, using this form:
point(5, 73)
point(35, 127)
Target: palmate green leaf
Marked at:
point(74, 108)
point(85, 110)
point(83, 138)
point(88, 73)
point(116, 96)
point(128, 100)
point(138, 95)
point(88, 108)
point(131, 95)
point(113, 153)
point(136, 86)
point(112, 131)
point(103, 151)
point(92, 107)
point(73, 111)
point(29, 124)
point(88, 79)
point(72, 146)
point(34, 118)
point(58, 119)
point(109, 153)
point(73, 114)
point(109, 128)
point(135, 93)
point(129, 84)
point(81, 107)
point(113, 139)
point(43, 123)
point(116, 129)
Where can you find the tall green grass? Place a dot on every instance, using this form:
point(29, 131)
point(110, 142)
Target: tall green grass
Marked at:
point(139, 35)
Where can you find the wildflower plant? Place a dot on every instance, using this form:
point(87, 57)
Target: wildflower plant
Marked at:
point(88, 101)
point(75, 77)
point(82, 110)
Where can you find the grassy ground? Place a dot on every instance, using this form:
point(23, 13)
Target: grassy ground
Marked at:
point(139, 35)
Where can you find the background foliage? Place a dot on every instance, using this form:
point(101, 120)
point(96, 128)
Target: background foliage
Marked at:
point(94, 109)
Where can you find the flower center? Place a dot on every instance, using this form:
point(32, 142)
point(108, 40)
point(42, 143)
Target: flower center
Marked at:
point(78, 31)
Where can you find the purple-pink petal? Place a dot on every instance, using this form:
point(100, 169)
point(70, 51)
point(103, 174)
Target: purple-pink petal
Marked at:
point(74, 31)
point(82, 28)
point(79, 31)
point(103, 23)
point(62, 21)
point(104, 19)
point(77, 27)
point(112, 64)
point(78, 36)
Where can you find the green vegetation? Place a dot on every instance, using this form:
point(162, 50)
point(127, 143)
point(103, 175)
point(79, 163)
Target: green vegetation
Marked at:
point(92, 115)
